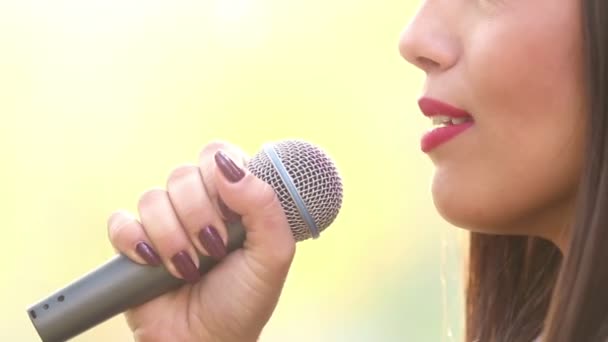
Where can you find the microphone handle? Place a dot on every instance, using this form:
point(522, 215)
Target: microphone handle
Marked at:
point(114, 287)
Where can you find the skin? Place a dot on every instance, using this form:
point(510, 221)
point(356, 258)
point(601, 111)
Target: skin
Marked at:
point(235, 299)
point(515, 65)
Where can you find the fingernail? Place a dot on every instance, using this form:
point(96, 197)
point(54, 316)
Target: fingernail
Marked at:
point(212, 241)
point(228, 167)
point(184, 265)
point(229, 215)
point(148, 254)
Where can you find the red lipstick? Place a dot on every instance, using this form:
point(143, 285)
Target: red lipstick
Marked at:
point(438, 136)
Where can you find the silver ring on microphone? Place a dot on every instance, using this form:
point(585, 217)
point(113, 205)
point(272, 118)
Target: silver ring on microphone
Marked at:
point(291, 187)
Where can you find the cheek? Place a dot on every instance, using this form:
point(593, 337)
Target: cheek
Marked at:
point(524, 153)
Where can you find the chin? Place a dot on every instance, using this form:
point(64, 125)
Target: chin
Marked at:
point(474, 209)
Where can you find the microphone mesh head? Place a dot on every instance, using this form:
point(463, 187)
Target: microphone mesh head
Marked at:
point(314, 176)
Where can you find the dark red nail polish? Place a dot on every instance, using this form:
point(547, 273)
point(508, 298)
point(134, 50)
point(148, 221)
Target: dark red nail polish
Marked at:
point(186, 267)
point(212, 241)
point(229, 214)
point(148, 254)
point(230, 170)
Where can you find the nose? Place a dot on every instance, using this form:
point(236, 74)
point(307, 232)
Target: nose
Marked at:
point(428, 41)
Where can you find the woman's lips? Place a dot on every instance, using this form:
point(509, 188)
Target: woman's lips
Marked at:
point(442, 134)
point(431, 107)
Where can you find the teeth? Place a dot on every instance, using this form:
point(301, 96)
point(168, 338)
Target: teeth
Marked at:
point(441, 119)
point(444, 120)
point(458, 121)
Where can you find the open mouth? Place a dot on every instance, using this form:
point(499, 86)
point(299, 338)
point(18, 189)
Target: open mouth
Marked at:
point(444, 120)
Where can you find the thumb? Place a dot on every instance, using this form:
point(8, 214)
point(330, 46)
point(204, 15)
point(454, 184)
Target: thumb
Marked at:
point(269, 244)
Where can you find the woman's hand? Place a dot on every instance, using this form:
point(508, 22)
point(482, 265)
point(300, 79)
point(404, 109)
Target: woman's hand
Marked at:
point(233, 301)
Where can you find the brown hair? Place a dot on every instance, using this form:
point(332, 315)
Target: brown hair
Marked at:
point(520, 287)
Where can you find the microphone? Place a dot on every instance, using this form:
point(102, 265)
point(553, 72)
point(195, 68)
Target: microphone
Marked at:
point(308, 187)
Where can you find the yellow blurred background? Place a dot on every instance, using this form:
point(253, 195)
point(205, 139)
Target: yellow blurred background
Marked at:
point(100, 100)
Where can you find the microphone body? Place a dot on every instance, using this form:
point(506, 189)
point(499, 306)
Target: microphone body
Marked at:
point(114, 287)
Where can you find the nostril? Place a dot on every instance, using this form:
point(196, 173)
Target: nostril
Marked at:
point(426, 63)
